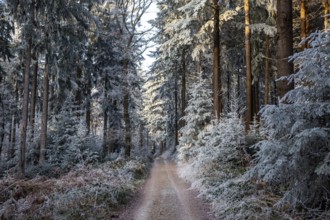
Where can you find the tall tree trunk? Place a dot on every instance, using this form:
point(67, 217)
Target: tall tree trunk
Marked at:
point(217, 93)
point(105, 121)
point(43, 134)
point(303, 23)
point(239, 93)
point(127, 126)
point(12, 145)
point(326, 14)
point(228, 90)
point(3, 124)
point(176, 127)
point(78, 97)
point(183, 84)
point(3, 130)
point(127, 118)
point(255, 98)
point(284, 46)
point(141, 135)
point(249, 101)
point(25, 106)
point(33, 97)
point(11, 148)
point(266, 100)
point(88, 103)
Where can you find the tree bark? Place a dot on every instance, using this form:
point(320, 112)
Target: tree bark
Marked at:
point(284, 46)
point(43, 134)
point(326, 14)
point(249, 101)
point(105, 121)
point(127, 118)
point(228, 89)
point(78, 92)
point(33, 97)
point(11, 148)
point(266, 101)
point(176, 127)
point(183, 84)
point(303, 23)
point(12, 145)
point(3, 129)
point(217, 93)
point(25, 106)
point(127, 126)
point(88, 103)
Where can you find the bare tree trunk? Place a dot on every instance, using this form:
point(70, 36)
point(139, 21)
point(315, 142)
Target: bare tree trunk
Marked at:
point(33, 97)
point(105, 133)
point(12, 145)
point(267, 71)
point(25, 106)
point(326, 14)
point(141, 135)
point(127, 126)
point(105, 122)
point(127, 118)
point(11, 148)
point(255, 98)
point(239, 93)
point(217, 93)
point(78, 97)
point(303, 23)
point(43, 134)
point(249, 101)
point(88, 103)
point(176, 127)
point(284, 46)
point(228, 90)
point(3, 124)
point(183, 83)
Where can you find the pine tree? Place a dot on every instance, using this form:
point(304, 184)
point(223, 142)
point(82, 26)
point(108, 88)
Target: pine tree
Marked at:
point(297, 150)
point(197, 117)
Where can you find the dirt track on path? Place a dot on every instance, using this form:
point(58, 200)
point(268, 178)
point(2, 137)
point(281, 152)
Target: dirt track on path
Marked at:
point(165, 196)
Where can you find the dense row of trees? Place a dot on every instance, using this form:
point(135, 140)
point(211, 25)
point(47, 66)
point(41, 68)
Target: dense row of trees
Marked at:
point(200, 38)
point(219, 63)
point(65, 74)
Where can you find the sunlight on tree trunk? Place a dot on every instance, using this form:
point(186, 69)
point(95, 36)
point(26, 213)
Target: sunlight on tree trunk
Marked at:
point(303, 23)
point(326, 14)
point(249, 101)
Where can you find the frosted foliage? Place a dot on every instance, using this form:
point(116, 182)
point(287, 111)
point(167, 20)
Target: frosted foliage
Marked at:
point(193, 7)
point(297, 150)
point(214, 171)
point(269, 4)
point(264, 28)
point(197, 115)
point(69, 143)
point(228, 15)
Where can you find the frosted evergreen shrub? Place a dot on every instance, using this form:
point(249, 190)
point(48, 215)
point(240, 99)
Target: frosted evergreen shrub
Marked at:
point(296, 153)
point(197, 116)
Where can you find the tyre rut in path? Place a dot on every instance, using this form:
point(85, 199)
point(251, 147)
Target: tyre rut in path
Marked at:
point(166, 197)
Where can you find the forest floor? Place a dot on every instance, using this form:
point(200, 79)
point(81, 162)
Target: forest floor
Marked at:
point(166, 196)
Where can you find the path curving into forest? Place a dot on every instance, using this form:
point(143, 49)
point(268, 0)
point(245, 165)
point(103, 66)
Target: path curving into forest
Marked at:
point(165, 196)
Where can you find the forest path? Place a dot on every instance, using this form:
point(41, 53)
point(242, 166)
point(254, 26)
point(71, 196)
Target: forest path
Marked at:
point(165, 196)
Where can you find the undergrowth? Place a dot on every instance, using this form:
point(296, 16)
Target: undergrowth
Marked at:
point(84, 193)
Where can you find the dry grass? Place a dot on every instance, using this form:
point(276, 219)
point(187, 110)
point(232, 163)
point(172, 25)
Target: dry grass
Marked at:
point(84, 193)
